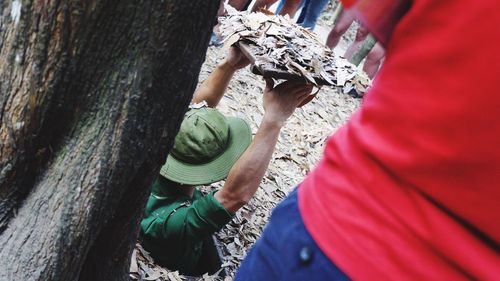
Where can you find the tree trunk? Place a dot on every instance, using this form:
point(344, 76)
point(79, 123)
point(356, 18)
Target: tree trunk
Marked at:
point(92, 94)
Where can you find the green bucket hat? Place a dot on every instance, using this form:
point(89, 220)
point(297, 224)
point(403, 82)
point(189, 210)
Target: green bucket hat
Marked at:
point(206, 147)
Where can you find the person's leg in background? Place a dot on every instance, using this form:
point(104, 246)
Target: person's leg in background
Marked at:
point(311, 10)
point(240, 5)
point(290, 7)
point(361, 35)
point(286, 251)
point(373, 60)
point(374, 57)
point(311, 13)
point(261, 4)
point(303, 4)
point(345, 20)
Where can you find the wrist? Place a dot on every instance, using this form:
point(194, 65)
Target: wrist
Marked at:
point(227, 66)
point(272, 121)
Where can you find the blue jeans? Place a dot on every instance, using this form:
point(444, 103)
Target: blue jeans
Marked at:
point(311, 10)
point(286, 251)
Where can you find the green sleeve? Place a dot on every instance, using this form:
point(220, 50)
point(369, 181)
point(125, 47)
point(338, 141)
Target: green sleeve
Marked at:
point(174, 232)
point(202, 218)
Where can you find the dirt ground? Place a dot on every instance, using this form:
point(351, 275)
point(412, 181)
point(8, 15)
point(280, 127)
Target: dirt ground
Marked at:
point(299, 147)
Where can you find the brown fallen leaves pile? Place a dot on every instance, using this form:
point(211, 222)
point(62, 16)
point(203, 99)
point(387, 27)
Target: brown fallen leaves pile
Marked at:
point(299, 148)
point(278, 45)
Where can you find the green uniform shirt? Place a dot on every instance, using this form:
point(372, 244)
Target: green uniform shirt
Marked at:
point(175, 225)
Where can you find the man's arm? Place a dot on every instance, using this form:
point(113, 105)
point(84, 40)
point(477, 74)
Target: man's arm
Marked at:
point(196, 221)
point(246, 174)
point(212, 89)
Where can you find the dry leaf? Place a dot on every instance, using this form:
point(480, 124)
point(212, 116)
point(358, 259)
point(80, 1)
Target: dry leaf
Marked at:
point(281, 46)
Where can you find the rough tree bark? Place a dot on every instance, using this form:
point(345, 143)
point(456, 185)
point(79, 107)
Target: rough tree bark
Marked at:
point(92, 93)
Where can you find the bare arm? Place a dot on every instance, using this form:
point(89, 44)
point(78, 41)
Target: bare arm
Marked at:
point(212, 89)
point(246, 174)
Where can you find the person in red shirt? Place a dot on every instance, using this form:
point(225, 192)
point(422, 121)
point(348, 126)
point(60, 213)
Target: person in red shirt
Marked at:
point(409, 188)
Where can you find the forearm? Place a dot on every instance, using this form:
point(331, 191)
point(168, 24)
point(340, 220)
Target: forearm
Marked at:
point(246, 174)
point(213, 88)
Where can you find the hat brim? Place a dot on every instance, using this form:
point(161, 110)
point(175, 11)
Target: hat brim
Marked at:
point(240, 136)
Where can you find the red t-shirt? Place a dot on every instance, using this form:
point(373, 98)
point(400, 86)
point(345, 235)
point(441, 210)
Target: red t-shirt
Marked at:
point(409, 188)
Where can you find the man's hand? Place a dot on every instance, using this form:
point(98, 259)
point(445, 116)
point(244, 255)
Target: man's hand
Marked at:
point(281, 101)
point(236, 59)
